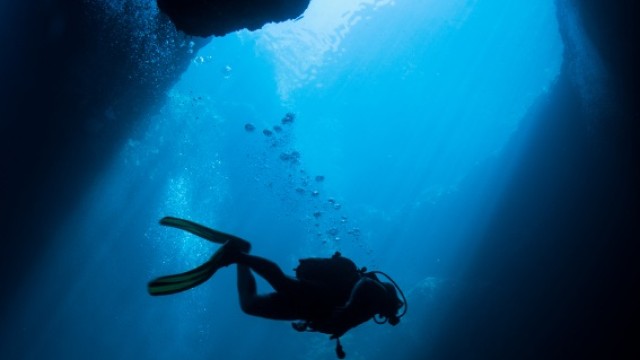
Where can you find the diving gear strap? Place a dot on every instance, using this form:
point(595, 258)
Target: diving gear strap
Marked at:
point(405, 305)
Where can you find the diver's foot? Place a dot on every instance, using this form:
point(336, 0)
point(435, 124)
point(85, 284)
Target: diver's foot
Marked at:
point(228, 253)
point(241, 245)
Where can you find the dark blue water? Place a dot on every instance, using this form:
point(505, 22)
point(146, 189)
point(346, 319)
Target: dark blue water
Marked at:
point(398, 105)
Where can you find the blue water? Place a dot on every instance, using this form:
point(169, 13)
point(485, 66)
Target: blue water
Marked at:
point(397, 103)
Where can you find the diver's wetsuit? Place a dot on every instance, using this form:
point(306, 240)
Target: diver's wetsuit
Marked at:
point(296, 299)
point(293, 299)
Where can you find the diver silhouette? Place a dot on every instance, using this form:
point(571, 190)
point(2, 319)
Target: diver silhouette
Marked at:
point(327, 295)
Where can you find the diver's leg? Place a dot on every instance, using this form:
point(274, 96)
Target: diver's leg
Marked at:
point(269, 270)
point(247, 288)
point(276, 306)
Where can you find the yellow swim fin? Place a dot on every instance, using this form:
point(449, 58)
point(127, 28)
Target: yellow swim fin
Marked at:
point(204, 232)
point(171, 284)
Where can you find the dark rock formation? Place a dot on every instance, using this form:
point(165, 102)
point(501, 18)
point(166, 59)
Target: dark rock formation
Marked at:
point(75, 76)
point(219, 17)
point(556, 271)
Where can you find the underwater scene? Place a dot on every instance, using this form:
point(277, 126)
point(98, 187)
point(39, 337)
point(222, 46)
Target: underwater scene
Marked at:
point(462, 148)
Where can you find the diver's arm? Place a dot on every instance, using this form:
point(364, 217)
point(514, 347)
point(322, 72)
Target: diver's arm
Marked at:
point(363, 304)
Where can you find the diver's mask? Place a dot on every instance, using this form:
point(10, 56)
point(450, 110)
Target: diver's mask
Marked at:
point(392, 316)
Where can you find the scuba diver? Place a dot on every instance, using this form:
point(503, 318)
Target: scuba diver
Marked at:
point(327, 295)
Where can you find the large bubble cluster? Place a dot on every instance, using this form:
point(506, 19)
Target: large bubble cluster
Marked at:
point(323, 213)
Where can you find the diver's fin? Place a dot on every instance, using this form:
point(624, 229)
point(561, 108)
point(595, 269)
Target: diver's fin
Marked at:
point(171, 284)
point(198, 230)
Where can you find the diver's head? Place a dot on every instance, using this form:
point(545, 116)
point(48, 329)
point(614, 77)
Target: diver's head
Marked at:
point(391, 304)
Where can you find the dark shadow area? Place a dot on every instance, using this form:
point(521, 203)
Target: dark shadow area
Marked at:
point(556, 272)
point(74, 81)
point(76, 77)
